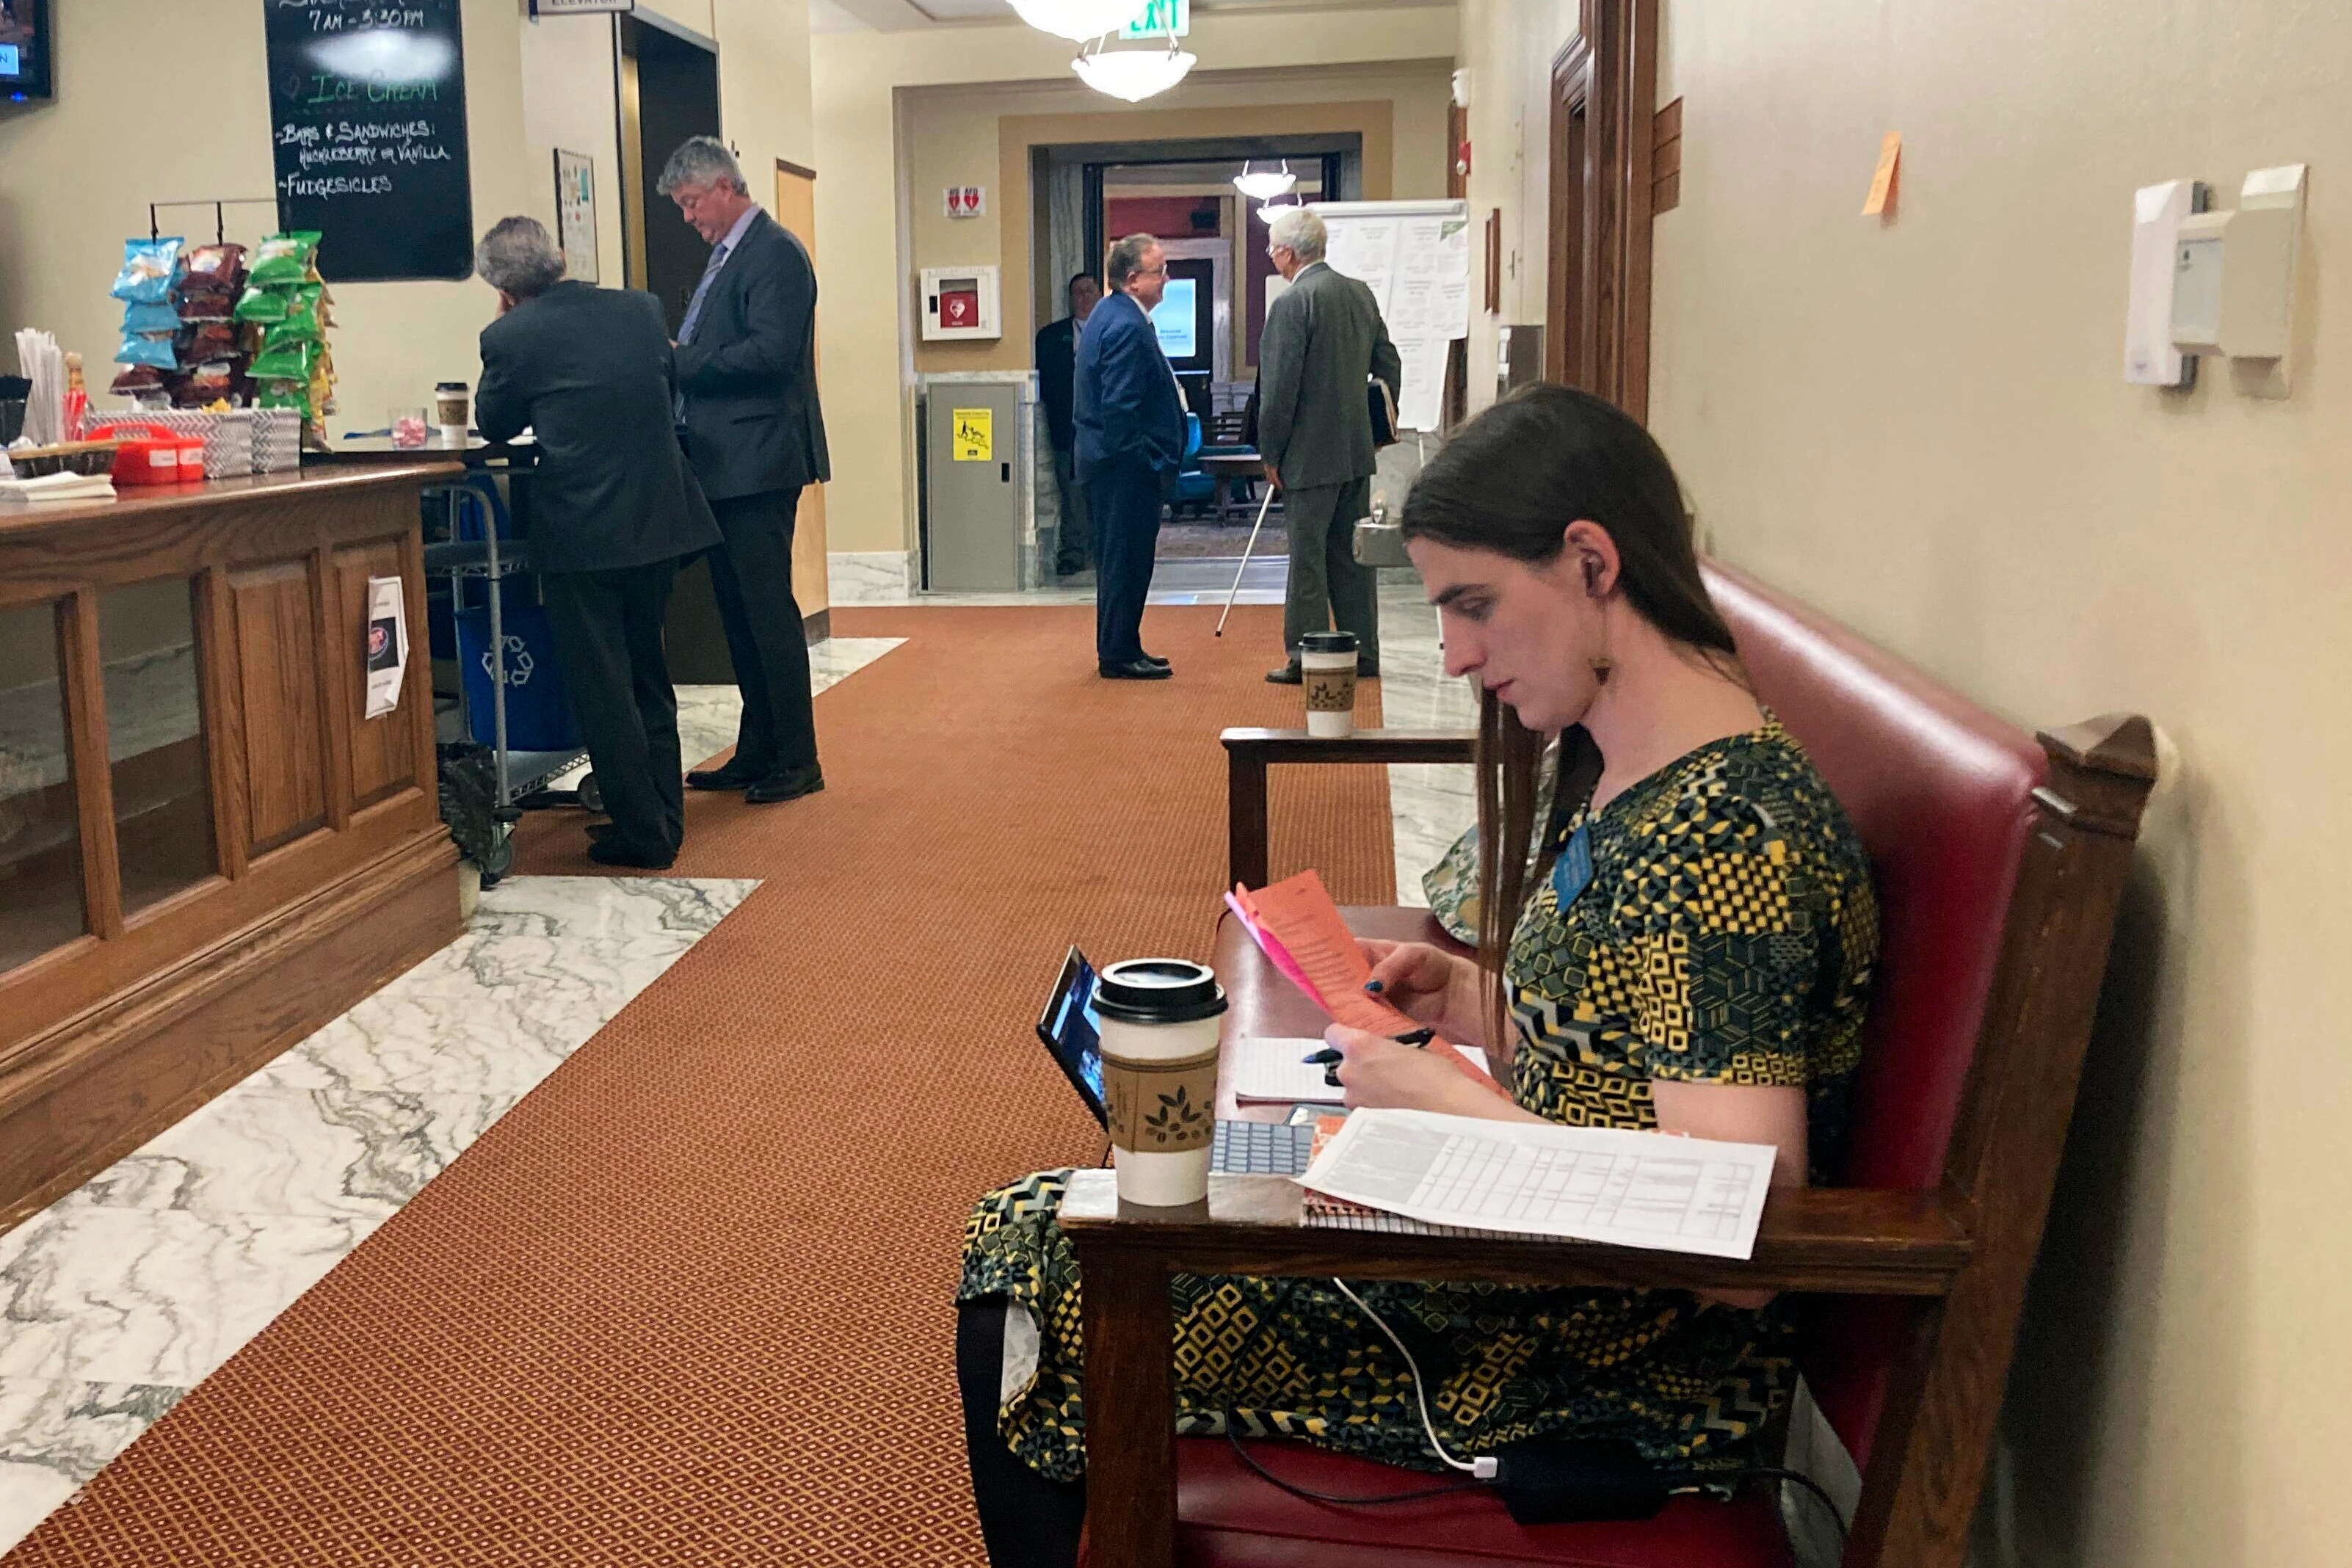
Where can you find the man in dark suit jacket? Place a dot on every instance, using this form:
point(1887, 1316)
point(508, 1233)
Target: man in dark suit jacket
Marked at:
point(1130, 424)
point(1324, 339)
point(747, 371)
point(613, 511)
point(1057, 369)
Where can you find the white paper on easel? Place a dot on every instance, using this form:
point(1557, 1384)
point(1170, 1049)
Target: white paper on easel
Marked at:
point(385, 646)
point(1421, 406)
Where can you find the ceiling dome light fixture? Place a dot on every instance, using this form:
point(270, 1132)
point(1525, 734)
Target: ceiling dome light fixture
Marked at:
point(1271, 210)
point(1265, 187)
point(1134, 74)
point(1080, 20)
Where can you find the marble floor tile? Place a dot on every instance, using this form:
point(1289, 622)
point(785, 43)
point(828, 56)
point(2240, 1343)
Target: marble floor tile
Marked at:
point(115, 1295)
point(1430, 807)
point(56, 1434)
point(264, 1149)
point(547, 962)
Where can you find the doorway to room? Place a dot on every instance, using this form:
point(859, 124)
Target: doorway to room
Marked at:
point(668, 81)
point(1603, 105)
point(1210, 319)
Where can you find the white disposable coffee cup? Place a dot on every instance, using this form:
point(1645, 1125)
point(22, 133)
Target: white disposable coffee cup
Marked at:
point(1327, 664)
point(1159, 1027)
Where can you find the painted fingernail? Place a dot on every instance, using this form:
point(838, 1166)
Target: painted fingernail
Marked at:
point(1322, 1058)
point(1374, 986)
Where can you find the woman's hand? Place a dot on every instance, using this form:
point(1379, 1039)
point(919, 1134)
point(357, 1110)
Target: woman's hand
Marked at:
point(1376, 1071)
point(1427, 985)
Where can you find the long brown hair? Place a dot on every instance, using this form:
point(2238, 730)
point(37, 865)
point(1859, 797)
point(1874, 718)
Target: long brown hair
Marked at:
point(1510, 481)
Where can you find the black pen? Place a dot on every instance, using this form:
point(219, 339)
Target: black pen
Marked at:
point(1327, 1056)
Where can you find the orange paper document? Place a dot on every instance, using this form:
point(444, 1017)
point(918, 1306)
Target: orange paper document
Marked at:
point(1298, 928)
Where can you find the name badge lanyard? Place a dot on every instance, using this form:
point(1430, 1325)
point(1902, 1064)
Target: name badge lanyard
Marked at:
point(1573, 870)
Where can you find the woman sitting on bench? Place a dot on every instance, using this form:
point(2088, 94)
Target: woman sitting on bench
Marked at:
point(1689, 949)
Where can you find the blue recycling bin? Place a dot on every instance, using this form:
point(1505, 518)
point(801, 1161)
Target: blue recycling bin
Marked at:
point(538, 709)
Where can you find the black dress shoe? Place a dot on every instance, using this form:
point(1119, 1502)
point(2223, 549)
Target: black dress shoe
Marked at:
point(1155, 659)
point(1288, 675)
point(1141, 669)
point(610, 852)
point(727, 777)
point(786, 783)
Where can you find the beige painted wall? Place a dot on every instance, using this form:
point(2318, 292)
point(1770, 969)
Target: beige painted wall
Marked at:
point(1921, 424)
point(529, 88)
point(882, 121)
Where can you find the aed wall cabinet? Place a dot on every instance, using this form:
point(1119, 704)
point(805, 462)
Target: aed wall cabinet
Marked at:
point(960, 302)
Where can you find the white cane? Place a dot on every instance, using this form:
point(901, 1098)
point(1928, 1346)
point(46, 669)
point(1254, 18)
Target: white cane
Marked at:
point(1236, 593)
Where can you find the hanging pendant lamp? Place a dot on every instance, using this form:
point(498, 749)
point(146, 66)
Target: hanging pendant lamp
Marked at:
point(1080, 20)
point(1134, 74)
point(1267, 185)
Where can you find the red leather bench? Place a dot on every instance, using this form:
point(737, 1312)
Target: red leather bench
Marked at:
point(2000, 861)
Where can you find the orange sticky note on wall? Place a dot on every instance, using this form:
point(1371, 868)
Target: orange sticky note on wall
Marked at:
point(1881, 183)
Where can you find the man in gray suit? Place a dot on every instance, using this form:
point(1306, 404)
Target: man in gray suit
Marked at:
point(755, 434)
point(1324, 340)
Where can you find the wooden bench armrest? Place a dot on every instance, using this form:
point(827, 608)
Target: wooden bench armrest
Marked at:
point(1841, 1240)
point(1249, 752)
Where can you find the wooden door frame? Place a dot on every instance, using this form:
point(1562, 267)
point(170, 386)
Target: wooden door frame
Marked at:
point(1603, 102)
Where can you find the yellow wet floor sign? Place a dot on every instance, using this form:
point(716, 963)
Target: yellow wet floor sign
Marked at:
point(975, 436)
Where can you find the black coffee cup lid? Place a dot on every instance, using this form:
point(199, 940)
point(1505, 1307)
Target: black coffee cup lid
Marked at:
point(1158, 991)
point(1327, 642)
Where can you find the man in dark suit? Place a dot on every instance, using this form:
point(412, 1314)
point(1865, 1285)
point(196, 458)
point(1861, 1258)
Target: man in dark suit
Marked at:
point(1130, 427)
point(747, 371)
point(613, 511)
point(1324, 340)
point(1057, 367)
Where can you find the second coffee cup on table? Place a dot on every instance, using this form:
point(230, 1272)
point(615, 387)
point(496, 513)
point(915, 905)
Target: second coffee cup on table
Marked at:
point(1159, 1027)
point(1328, 662)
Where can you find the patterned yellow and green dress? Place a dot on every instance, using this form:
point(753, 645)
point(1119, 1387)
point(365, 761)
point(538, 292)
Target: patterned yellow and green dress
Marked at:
point(1725, 936)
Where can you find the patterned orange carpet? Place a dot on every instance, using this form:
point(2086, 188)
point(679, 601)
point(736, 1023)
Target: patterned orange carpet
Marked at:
point(689, 1302)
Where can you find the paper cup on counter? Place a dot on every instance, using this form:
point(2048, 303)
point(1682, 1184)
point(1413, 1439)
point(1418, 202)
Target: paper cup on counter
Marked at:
point(1159, 1027)
point(1328, 662)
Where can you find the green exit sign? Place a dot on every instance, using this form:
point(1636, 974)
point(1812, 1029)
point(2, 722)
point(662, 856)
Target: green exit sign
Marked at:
point(1161, 17)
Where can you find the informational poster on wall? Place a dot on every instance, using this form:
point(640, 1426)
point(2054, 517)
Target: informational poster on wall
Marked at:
point(575, 215)
point(367, 111)
point(386, 654)
point(1415, 258)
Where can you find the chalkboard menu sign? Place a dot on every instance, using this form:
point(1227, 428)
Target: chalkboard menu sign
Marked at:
point(367, 106)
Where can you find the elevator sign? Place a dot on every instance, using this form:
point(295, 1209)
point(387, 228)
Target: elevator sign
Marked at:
point(1159, 19)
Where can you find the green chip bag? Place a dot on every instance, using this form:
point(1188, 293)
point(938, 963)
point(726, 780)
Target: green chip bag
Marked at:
point(303, 323)
point(265, 305)
point(292, 361)
point(284, 258)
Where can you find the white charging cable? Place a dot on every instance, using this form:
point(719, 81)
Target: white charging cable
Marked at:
point(1484, 1465)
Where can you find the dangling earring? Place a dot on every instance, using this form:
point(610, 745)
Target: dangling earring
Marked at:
point(1603, 665)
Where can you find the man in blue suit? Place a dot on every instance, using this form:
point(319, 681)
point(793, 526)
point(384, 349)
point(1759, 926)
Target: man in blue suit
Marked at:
point(1130, 420)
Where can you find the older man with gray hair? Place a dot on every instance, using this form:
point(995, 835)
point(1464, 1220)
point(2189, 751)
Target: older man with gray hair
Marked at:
point(1324, 341)
point(747, 376)
point(612, 513)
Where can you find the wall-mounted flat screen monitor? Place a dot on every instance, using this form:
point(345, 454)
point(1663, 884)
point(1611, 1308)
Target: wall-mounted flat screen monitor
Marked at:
point(25, 67)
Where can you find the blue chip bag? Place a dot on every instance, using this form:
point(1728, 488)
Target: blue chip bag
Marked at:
point(156, 352)
point(148, 268)
point(150, 319)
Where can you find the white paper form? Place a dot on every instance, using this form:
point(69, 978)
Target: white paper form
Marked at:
point(1590, 1184)
point(1276, 1070)
point(1421, 403)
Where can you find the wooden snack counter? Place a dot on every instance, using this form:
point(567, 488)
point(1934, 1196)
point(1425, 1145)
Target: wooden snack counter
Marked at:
point(206, 849)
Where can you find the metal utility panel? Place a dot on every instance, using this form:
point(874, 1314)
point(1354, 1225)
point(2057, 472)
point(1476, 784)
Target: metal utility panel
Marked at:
point(976, 455)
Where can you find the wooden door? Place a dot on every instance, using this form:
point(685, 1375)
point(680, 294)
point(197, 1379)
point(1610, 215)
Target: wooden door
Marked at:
point(1603, 109)
point(796, 210)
